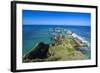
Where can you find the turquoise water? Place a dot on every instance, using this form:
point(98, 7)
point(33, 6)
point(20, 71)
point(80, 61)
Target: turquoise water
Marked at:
point(32, 34)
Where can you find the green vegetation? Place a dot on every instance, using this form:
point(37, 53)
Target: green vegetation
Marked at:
point(63, 51)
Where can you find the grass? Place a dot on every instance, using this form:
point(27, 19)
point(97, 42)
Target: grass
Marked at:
point(63, 52)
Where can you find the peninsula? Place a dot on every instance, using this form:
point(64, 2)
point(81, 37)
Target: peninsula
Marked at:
point(65, 46)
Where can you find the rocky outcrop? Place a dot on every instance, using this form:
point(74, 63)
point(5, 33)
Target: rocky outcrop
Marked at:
point(62, 48)
point(40, 52)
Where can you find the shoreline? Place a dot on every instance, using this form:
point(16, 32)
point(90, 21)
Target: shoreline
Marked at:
point(63, 48)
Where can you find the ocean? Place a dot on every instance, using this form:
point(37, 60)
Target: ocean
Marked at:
point(32, 34)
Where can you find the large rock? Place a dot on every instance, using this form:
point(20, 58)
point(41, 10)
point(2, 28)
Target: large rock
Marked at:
point(40, 52)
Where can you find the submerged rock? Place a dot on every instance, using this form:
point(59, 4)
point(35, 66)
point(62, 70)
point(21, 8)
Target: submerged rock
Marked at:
point(40, 52)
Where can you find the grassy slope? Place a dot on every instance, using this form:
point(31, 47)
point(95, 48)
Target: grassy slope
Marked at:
point(64, 51)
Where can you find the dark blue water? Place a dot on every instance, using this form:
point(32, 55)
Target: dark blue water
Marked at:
point(32, 34)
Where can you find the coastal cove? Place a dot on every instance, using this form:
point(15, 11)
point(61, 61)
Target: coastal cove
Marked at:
point(41, 35)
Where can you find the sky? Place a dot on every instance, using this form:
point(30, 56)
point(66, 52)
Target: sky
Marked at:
point(33, 17)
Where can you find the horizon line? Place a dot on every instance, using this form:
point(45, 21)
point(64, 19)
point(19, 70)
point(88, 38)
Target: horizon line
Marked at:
point(56, 25)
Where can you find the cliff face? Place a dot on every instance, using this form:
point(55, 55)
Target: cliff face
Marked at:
point(66, 50)
point(40, 52)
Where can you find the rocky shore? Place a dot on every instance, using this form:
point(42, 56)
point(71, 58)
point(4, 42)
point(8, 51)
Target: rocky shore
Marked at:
point(63, 48)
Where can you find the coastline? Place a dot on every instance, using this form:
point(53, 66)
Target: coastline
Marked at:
point(65, 51)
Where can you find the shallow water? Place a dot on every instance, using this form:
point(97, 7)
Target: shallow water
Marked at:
point(32, 34)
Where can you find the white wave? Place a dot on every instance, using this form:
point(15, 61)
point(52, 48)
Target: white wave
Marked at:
point(80, 38)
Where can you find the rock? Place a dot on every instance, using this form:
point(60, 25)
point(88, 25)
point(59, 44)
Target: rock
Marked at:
point(41, 52)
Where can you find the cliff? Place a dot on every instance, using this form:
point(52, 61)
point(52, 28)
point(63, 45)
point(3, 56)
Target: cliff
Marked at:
point(63, 51)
